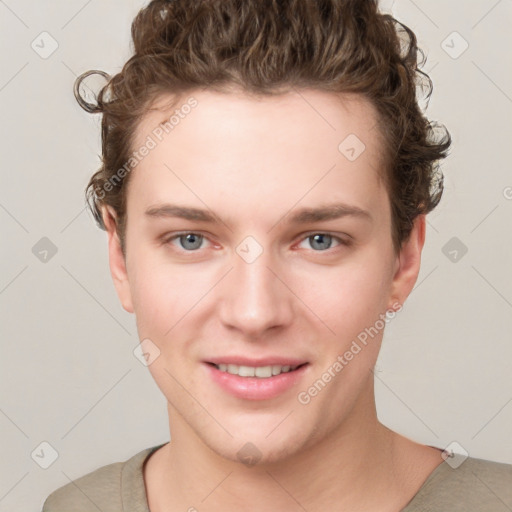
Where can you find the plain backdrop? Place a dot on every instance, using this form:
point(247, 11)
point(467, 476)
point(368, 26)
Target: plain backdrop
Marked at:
point(69, 376)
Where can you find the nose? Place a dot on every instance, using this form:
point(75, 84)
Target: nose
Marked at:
point(254, 297)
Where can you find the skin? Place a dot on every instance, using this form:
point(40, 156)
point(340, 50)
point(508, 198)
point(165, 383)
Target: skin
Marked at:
point(253, 162)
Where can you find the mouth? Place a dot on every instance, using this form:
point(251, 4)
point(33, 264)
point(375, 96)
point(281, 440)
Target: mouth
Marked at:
point(261, 372)
point(251, 380)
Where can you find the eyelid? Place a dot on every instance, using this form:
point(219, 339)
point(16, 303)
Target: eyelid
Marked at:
point(170, 237)
point(167, 239)
point(334, 236)
point(338, 236)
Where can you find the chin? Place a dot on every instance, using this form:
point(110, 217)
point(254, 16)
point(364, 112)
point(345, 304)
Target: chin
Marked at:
point(260, 445)
point(256, 453)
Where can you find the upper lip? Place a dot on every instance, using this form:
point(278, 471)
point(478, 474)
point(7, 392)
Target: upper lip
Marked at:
point(264, 361)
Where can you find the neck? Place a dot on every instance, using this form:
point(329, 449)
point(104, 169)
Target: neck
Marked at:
point(360, 465)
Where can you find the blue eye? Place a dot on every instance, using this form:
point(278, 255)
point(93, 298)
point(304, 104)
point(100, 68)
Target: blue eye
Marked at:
point(189, 241)
point(320, 242)
point(323, 241)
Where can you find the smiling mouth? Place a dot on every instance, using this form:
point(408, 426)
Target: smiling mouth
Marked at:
point(263, 372)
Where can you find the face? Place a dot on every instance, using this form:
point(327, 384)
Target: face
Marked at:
point(258, 240)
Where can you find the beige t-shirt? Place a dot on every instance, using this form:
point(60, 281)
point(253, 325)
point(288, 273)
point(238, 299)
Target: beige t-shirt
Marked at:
point(477, 485)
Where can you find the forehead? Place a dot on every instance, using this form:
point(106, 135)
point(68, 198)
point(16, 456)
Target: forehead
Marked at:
point(259, 150)
point(318, 115)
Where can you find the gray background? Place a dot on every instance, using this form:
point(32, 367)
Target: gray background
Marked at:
point(69, 376)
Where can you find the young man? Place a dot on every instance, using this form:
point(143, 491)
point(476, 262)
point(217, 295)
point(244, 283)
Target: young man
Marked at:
point(265, 180)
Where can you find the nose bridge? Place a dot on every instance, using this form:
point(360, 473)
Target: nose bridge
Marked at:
point(253, 298)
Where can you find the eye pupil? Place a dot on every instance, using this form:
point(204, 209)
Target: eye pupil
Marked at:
point(319, 239)
point(192, 238)
point(192, 241)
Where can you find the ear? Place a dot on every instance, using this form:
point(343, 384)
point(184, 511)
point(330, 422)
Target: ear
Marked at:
point(407, 265)
point(116, 259)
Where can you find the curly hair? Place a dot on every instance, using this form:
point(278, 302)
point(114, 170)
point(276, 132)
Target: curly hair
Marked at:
point(267, 47)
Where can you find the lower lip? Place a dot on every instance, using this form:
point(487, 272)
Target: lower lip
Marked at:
point(256, 388)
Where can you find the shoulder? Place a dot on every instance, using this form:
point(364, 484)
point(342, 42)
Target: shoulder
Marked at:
point(105, 488)
point(89, 492)
point(477, 485)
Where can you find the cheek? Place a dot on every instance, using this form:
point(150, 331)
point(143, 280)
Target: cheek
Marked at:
point(162, 295)
point(347, 298)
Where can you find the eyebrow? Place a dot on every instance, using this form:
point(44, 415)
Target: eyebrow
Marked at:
point(302, 216)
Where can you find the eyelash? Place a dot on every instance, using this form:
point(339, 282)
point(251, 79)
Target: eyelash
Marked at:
point(341, 241)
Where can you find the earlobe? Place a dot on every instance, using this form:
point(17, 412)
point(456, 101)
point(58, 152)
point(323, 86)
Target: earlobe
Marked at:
point(408, 265)
point(117, 261)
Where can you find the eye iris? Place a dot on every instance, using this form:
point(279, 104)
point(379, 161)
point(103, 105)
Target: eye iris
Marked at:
point(192, 238)
point(319, 239)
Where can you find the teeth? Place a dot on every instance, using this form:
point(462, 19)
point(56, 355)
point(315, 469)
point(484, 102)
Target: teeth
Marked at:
point(233, 368)
point(263, 371)
point(246, 371)
point(254, 371)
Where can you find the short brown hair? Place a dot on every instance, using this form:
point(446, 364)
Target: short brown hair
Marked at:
point(267, 46)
